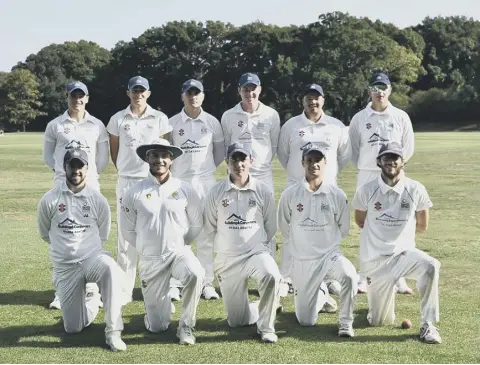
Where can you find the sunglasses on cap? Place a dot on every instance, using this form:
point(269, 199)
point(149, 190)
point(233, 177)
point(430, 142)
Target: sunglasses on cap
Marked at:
point(378, 88)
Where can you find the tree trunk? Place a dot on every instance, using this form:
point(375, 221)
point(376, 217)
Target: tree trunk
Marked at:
point(24, 126)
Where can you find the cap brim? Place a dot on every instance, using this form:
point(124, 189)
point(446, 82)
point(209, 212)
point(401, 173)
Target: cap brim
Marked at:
point(309, 151)
point(249, 83)
point(192, 87)
point(392, 152)
point(380, 83)
point(309, 91)
point(76, 158)
point(142, 150)
point(78, 88)
point(137, 85)
point(245, 152)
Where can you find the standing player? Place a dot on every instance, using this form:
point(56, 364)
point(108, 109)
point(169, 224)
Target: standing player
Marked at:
point(240, 218)
point(138, 124)
point(379, 123)
point(200, 137)
point(314, 216)
point(76, 129)
point(298, 134)
point(161, 216)
point(389, 210)
point(74, 219)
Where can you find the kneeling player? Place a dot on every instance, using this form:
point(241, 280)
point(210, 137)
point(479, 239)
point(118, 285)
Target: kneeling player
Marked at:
point(313, 216)
point(390, 210)
point(240, 218)
point(74, 219)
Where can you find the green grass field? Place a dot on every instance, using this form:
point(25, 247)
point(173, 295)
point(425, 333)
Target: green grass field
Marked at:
point(448, 164)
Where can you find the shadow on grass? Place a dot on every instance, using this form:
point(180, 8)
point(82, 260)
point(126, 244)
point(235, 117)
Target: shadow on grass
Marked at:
point(27, 297)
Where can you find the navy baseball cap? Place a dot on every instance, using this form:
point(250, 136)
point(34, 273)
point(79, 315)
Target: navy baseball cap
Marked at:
point(392, 147)
point(313, 88)
point(314, 148)
point(187, 85)
point(249, 78)
point(379, 78)
point(77, 85)
point(238, 147)
point(138, 81)
point(75, 154)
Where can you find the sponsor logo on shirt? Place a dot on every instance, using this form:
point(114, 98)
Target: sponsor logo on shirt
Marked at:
point(325, 207)
point(378, 206)
point(240, 123)
point(309, 145)
point(85, 210)
point(181, 132)
point(369, 125)
point(132, 143)
point(204, 130)
point(66, 130)
point(301, 133)
point(225, 202)
point(190, 146)
point(390, 221)
point(126, 127)
point(149, 196)
point(311, 225)
point(61, 207)
point(77, 145)
point(376, 139)
point(175, 195)
point(237, 222)
point(252, 202)
point(405, 204)
point(300, 207)
point(69, 226)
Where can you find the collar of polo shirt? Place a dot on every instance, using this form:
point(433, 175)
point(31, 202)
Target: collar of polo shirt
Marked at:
point(398, 188)
point(66, 117)
point(323, 189)
point(154, 180)
point(370, 110)
point(186, 118)
point(239, 109)
point(252, 184)
point(321, 120)
point(83, 192)
point(148, 112)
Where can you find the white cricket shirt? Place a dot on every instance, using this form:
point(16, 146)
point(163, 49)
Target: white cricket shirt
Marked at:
point(76, 225)
point(370, 129)
point(299, 133)
point(259, 130)
point(68, 134)
point(313, 223)
point(160, 215)
point(133, 132)
point(242, 220)
point(390, 224)
point(195, 137)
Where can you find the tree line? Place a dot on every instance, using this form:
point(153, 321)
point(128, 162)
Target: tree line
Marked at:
point(434, 67)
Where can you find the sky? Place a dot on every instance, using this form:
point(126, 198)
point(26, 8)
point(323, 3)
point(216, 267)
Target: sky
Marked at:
point(28, 26)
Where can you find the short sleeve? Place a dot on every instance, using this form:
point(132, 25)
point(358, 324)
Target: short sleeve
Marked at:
point(359, 201)
point(423, 200)
point(113, 126)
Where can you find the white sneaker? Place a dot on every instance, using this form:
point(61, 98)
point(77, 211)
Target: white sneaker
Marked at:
point(209, 292)
point(402, 287)
point(330, 306)
point(429, 334)
point(362, 287)
point(268, 337)
point(334, 287)
point(345, 330)
point(115, 343)
point(283, 288)
point(56, 303)
point(185, 335)
point(174, 294)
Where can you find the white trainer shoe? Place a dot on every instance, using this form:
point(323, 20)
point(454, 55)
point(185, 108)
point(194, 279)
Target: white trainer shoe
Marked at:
point(345, 330)
point(334, 287)
point(56, 303)
point(174, 294)
point(402, 287)
point(429, 334)
point(209, 292)
point(185, 335)
point(362, 287)
point(115, 343)
point(268, 337)
point(330, 306)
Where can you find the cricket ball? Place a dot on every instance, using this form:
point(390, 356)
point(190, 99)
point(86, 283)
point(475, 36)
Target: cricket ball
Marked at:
point(406, 324)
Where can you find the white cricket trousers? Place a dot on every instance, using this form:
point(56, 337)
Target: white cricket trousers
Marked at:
point(204, 245)
point(382, 275)
point(233, 272)
point(78, 312)
point(91, 288)
point(155, 273)
point(126, 253)
point(311, 292)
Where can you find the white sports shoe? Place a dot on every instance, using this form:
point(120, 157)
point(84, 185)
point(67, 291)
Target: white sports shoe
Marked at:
point(56, 303)
point(330, 306)
point(402, 287)
point(174, 294)
point(334, 287)
point(429, 334)
point(115, 343)
point(362, 287)
point(345, 330)
point(283, 289)
point(185, 335)
point(268, 337)
point(209, 292)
